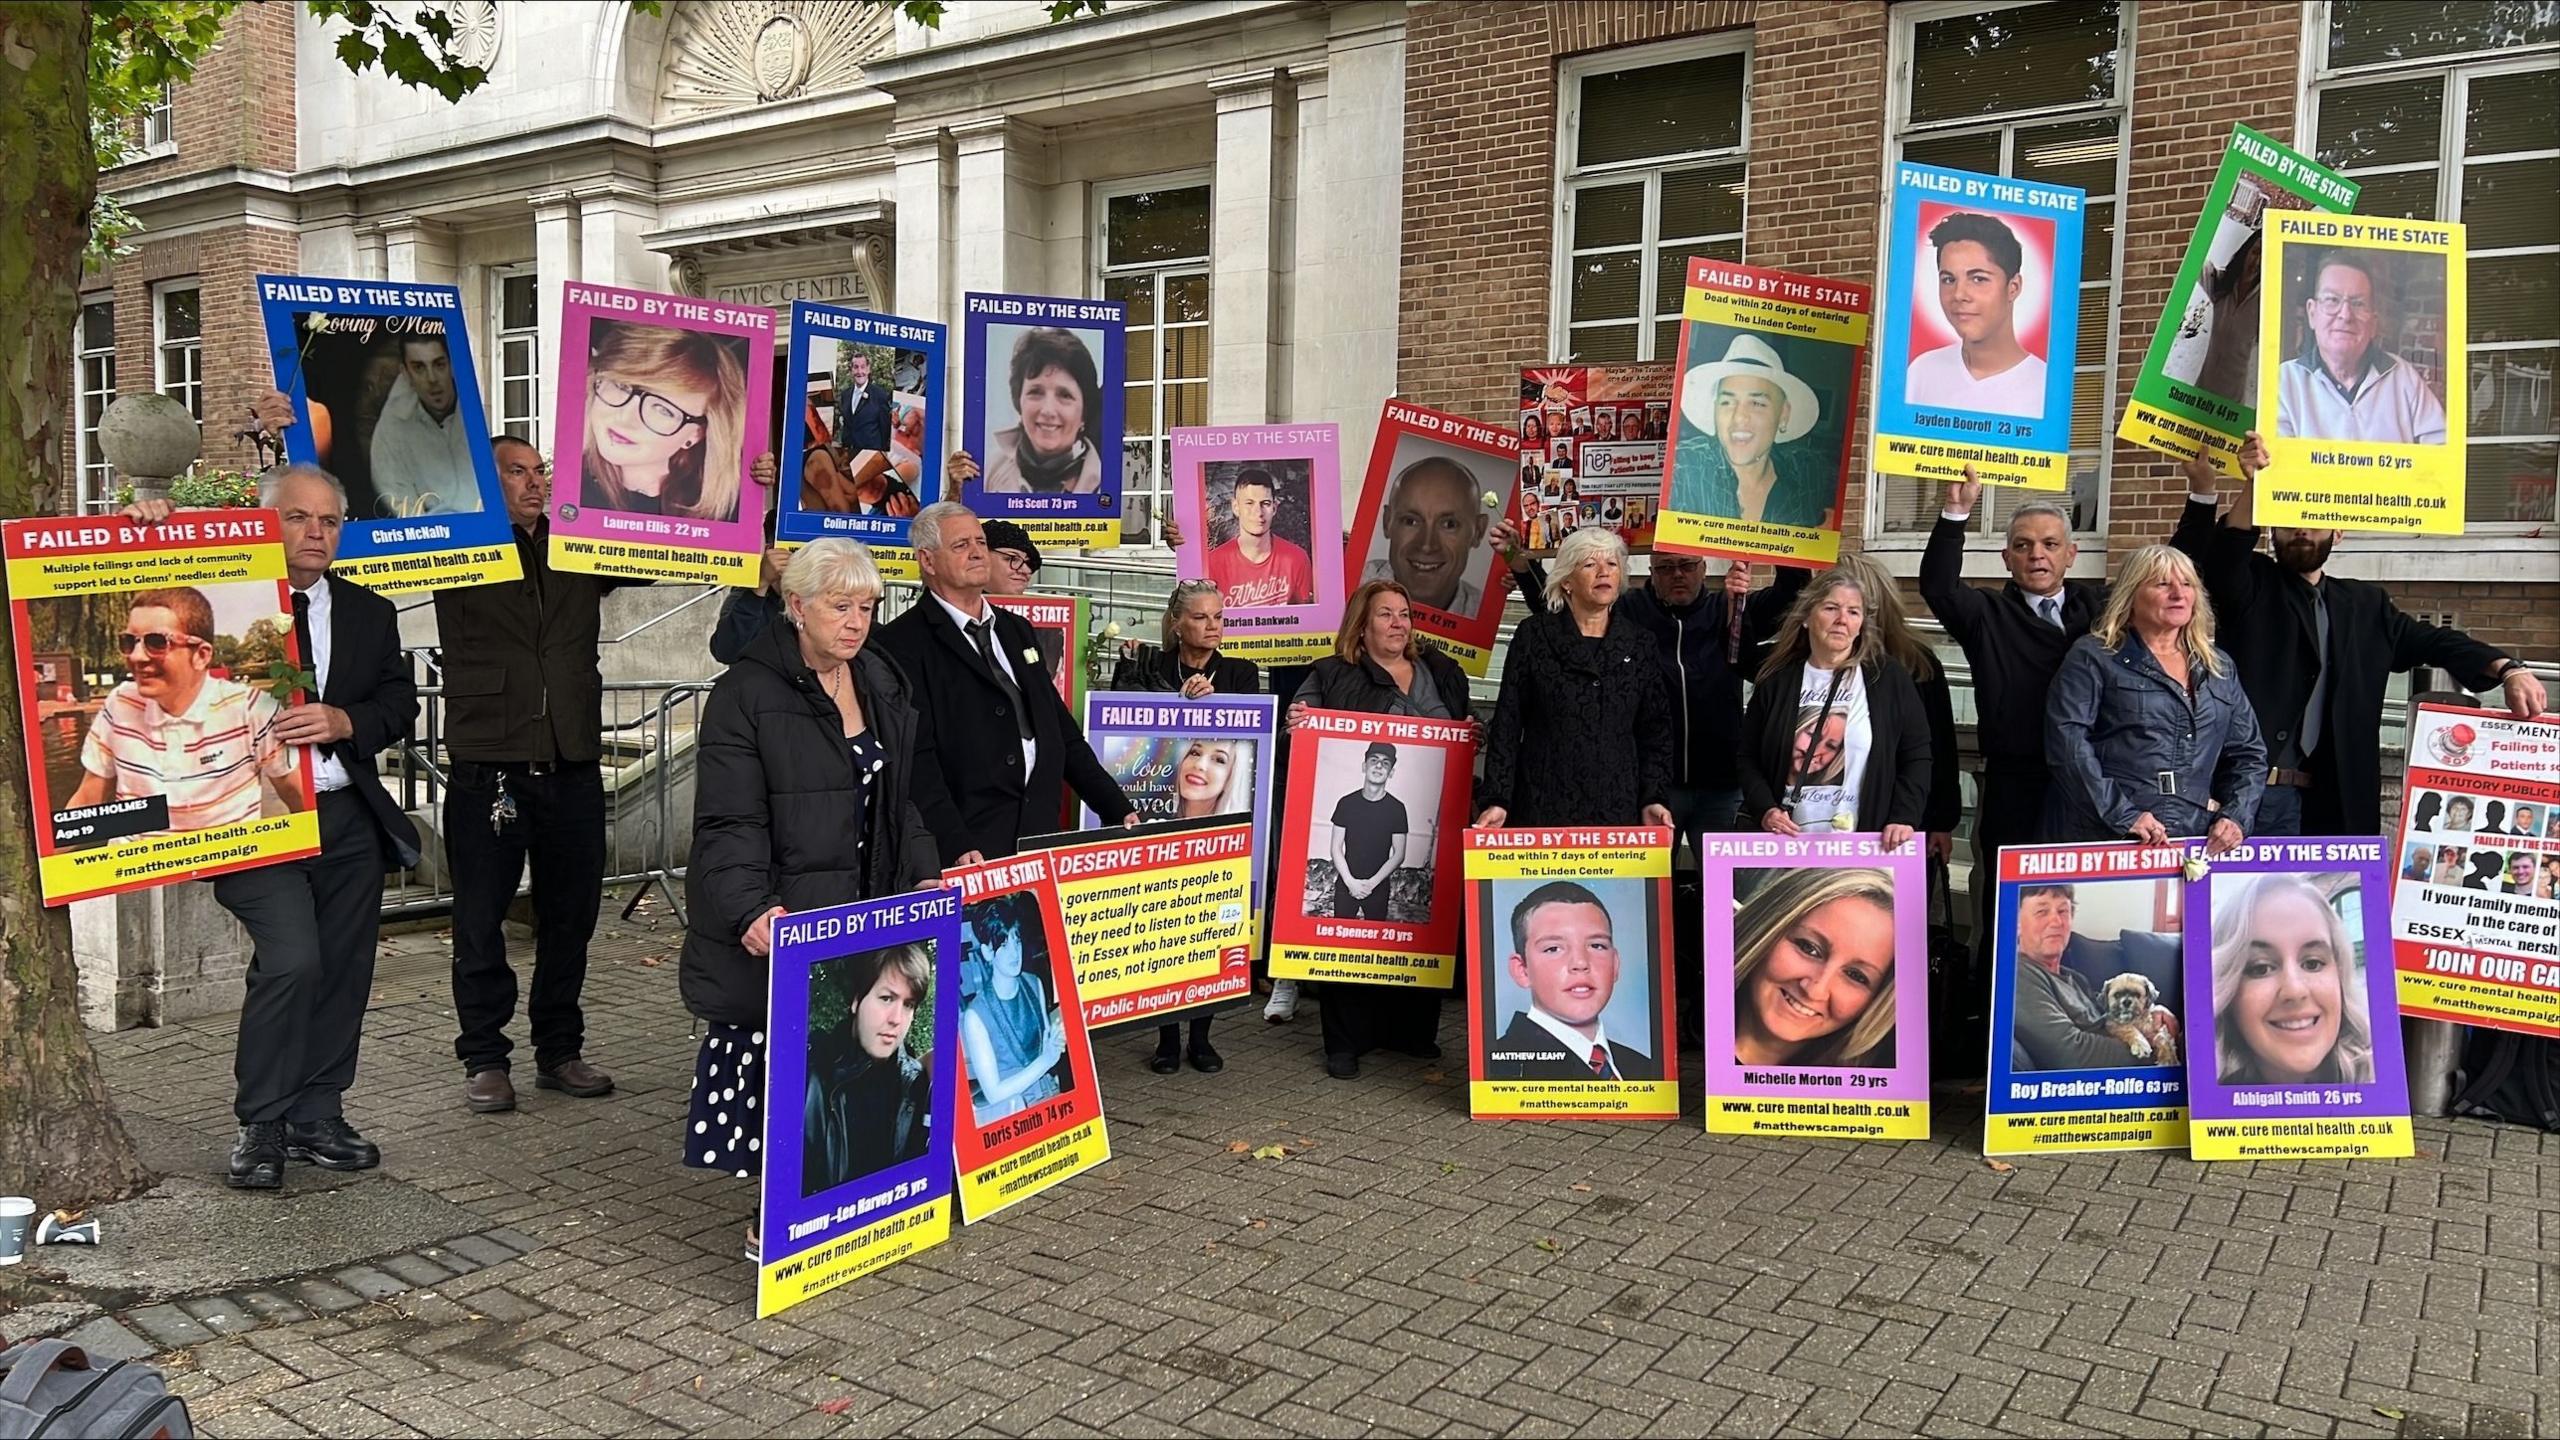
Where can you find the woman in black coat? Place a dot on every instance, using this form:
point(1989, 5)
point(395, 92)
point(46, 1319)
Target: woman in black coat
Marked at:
point(1188, 664)
point(801, 801)
point(1835, 736)
point(1582, 729)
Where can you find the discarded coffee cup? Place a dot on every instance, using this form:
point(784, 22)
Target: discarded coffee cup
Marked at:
point(62, 1227)
point(17, 1213)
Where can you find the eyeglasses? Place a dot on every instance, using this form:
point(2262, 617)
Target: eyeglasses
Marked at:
point(1015, 560)
point(662, 415)
point(2355, 305)
point(154, 642)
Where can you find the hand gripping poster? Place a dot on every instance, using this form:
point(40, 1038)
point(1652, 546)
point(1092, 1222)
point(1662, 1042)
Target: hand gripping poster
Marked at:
point(386, 398)
point(154, 662)
point(1769, 368)
point(2475, 912)
point(862, 437)
point(859, 1072)
point(1367, 889)
point(1981, 328)
point(2295, 1054)
point(1571, 1013)
point(1261, 514)
point(1817, 987)
point(1592, 439)
point(664, 403)
point(1032, 1116)
point(2089, 1001)
point(1041, 414)
point(1156, 914)
point(2362, 328)
point(2197, 394)
point(1435, 484)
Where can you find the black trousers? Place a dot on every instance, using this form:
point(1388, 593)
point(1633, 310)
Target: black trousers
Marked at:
point(1362, 1018)
point(1347, 906)
point(559, 828)
point(2011, 813)
point(314, 924)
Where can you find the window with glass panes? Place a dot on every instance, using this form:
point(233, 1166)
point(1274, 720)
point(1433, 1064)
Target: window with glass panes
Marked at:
point(97, 380)
point(177, 332)
point(1155, 260)
point(159, 119)
point(1653, 168)
point(2451, 111)
point(519, 332)
point(2036, 92)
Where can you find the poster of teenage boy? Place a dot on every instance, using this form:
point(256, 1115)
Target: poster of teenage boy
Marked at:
point(386, 399)
point(1041, 410)
point(868, 406)
point(1260, 507)
point(663, 402)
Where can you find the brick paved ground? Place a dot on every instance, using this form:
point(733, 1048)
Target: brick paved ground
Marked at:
point(1406, 1272)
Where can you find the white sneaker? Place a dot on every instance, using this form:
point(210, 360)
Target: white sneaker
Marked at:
point(1282, 1007)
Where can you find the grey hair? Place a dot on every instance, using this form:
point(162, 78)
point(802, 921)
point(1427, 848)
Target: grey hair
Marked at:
point(833, 566)
point(1578, 547)
point(271, 486)
point(2039, 507)
point(1183, 590)
point(924, 532)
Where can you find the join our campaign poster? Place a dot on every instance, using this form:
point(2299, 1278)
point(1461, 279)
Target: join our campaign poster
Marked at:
point(153, 664)
point(2362, 336)
point(386, 398)
point(857, 1098)
point(1817, 986)
point(1435, 483)
point(1981, 328)
point(1367, 889)
point(1033, 1115)
point(1769, 366)
point(1158, 915)
point(1041, 413)
point(2089, 1000)
point(1260, 508)
point(2197, 393)
point(2475, 912)
point(1592, 439)
point(2296, 1051)
point(664, 402)
point(865, 455)
point(1572, 1010)
point(1058, 625)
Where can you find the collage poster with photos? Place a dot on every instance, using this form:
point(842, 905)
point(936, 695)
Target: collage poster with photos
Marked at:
point(2475, 912)
point(865, 456)
point(1591, 444)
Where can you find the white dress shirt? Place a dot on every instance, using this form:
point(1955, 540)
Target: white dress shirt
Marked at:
point(1574, 1042)
point(987, 613)
point(326, 773)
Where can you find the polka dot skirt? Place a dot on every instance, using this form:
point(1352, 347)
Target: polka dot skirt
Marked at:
point(724, 1126)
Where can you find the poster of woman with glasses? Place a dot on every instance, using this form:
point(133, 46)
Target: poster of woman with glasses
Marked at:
point(664, 400)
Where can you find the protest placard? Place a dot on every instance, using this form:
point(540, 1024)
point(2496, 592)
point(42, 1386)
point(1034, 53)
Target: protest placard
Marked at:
point(2362, 334)
point(386, 399)
point(2198, 388)
point(2089, 1001)
point(1817, 986)
point(1592, 439)
point(1181, 758)
point(2475, 912)
point(2295, 1054)
point(1041, 411)
point(1058, 625)
point(859, 1074)
point(1981, 328)
point(864, 422)
point(665, 400)
point(154, 661)
point(1571, 1014)
point(1759, 461)
point(1261, 509)
point(1435, 482)
point(1367, 889)
point(1157, 916)
point(1034, 1113)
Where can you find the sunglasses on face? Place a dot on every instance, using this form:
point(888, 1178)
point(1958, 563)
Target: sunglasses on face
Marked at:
point(155, 642)
point(661, 415)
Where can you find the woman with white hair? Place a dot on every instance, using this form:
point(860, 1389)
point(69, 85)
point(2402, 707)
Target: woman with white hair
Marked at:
point(2148, 732)
point(1582, 729)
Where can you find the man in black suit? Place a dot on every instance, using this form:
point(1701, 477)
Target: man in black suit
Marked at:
point(862, 412)
point(996, 748)
point(1564, 952)
point(313, 923)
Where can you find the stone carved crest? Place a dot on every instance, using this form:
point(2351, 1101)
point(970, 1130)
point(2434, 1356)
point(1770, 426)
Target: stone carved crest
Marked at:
point(475, 31)
point(741, 53)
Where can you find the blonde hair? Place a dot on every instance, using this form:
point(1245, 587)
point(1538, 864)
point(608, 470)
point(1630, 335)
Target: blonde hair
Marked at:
point(702, 483)
point(1794, 644)
point(1578, 547)
point(1765, 919)
point(1238, 795)
point(2142, 568)
point(2234, 926)
point(1887, 620)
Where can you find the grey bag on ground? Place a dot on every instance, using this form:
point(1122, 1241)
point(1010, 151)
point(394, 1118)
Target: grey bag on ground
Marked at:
point(47, 1389)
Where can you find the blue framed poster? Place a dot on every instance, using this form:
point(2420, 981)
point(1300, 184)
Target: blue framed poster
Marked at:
point(866, 390)
point(1042, 414)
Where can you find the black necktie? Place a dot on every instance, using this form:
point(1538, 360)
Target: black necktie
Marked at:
point(984, 632)
point(302, 639)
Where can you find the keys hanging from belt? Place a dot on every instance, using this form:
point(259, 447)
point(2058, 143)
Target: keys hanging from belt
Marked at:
point(502, 814)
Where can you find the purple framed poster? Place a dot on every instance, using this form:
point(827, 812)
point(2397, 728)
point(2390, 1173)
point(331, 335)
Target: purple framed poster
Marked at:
point(2297, 1056)
point(1041, 410)
point(1261, 514)
point(664, 403)
point(853, 1185)
point(1817, 987)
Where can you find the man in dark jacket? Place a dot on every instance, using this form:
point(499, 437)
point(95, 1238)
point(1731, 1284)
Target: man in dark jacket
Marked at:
point(2315, 651)
point(1004, 746)
point(863, 412)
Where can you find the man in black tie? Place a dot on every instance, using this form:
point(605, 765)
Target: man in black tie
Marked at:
point(996, 748)
point(862, 412)
point(313, 923)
